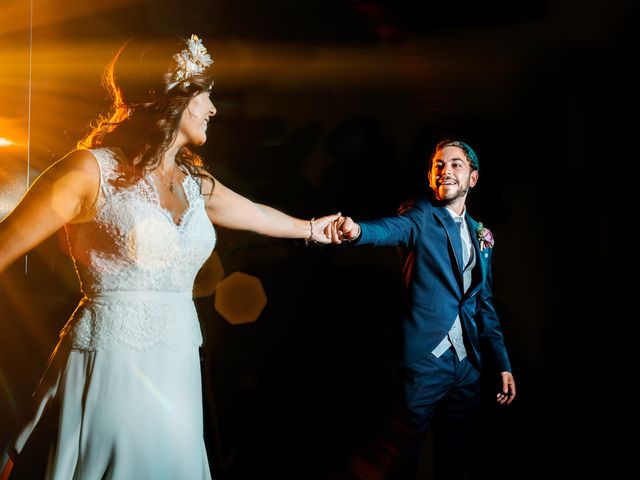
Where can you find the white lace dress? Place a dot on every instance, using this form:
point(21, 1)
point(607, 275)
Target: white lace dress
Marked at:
point(125, 378)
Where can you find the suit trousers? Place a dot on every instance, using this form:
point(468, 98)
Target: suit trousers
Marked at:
point(442, 395)
point(439, 395)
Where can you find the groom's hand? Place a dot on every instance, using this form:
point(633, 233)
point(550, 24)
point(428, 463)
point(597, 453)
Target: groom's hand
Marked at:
point(347, 229)
point(508, 392)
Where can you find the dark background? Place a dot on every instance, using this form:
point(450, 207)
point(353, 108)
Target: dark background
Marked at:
point(335, 105)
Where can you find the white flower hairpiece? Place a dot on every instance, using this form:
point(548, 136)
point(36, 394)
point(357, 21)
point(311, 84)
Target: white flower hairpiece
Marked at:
point(191, 61)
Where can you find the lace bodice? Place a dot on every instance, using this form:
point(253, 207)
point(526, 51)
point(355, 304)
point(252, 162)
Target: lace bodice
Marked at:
point(136, 266)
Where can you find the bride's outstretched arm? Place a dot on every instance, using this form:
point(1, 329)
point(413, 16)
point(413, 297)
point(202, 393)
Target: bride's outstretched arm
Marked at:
point(231, 210)
point(61, 194)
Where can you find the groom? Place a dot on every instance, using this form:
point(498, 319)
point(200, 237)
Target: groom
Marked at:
point(449, 315)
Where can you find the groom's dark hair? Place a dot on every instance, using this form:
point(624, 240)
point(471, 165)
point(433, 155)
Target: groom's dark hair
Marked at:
point(468, 151)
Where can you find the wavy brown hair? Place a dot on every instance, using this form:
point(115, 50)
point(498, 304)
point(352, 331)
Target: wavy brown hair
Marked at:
point(144, 118)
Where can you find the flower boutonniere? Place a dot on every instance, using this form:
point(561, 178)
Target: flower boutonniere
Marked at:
point(485, 237)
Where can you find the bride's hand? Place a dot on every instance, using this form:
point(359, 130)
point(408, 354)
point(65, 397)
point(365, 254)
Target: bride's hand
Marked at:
point(324, 229)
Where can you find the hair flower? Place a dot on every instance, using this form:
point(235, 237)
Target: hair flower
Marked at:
point(485, 237)
point(191, 61)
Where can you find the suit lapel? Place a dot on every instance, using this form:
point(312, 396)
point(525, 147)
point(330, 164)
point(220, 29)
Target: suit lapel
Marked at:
point(481, 256)
point(453, 236)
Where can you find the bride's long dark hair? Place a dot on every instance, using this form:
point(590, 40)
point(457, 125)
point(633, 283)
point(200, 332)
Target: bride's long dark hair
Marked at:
point(144, 118)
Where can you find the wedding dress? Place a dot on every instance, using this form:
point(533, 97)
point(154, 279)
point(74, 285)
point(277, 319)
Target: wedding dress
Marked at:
point(124, 381)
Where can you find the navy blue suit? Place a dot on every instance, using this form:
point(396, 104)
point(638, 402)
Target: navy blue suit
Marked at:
point(435, 296)
point(434, 289)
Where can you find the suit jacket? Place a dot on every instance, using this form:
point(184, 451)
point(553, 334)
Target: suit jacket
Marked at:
point(435, 292)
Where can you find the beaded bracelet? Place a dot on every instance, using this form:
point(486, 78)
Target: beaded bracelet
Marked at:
point(310, 239)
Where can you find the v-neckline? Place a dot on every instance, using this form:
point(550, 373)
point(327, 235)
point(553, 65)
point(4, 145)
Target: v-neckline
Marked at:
point(168, 213)
point(179, 223)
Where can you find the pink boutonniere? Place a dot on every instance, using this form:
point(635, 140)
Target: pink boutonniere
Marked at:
point(485, 237)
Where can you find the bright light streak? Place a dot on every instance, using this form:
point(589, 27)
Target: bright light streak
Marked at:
point(151, 387)
point(4, 142)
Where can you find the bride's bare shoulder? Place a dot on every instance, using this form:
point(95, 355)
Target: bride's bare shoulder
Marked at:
point(76, 175)
point(81, 161)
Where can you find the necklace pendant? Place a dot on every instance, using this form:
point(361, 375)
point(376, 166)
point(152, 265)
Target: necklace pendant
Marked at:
point(171, 188)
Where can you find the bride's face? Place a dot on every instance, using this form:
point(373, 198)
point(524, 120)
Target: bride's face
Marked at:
point(193, 125)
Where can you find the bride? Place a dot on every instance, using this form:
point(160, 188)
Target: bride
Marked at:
point(139, 209)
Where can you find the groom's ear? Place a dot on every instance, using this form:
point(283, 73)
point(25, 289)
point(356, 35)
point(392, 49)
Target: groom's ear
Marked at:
point(473, 178)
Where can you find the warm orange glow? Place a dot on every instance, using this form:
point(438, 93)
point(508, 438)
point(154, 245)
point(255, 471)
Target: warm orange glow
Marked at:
point(15, 14)
point(13, 176)
point(13, 132)
point(240, 298)
point(67, 95)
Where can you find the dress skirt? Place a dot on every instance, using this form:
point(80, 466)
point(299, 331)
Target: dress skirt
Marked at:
point(121, 414)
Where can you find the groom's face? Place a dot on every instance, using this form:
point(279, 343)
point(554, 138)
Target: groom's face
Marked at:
point(451, 175)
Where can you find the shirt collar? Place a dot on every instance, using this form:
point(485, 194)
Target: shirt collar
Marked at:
point(455, 215)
